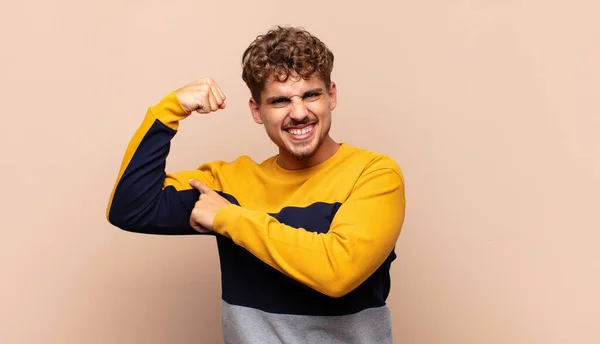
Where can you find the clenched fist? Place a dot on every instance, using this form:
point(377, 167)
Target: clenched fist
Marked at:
point(203, 96)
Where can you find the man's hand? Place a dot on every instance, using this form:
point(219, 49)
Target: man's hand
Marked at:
point(205, 210)
point(203, 96)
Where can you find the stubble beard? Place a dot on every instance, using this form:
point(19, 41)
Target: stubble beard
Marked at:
point(316, 141)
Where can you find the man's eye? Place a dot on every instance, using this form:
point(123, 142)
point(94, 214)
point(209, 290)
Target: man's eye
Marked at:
point(312, 95)
point(279, 101)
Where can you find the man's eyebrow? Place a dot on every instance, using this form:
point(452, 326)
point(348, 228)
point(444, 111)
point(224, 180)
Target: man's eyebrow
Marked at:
point(277, 98)
point(314, 90)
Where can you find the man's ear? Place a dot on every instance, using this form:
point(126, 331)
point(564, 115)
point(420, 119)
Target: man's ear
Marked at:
point(254, 110)
point(332, 96)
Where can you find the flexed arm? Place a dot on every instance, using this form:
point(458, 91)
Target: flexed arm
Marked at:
point(145, 198)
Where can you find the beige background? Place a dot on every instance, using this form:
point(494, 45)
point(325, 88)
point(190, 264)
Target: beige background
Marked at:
point(491, 108)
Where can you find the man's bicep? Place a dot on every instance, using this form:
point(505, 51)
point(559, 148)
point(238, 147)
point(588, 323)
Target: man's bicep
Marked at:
point(180, 180)
point(177, 200)
point(166, 212)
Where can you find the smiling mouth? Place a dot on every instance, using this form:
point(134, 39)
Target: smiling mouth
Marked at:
point(301, 133)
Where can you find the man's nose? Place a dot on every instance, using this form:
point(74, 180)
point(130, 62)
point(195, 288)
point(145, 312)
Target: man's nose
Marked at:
point(299, 110)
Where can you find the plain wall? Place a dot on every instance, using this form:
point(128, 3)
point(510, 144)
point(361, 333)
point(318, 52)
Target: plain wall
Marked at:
point(491, 108)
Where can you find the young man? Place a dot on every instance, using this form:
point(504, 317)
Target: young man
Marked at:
point(306, 238)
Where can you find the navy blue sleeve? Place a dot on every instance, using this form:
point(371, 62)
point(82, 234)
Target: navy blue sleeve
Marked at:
point(145, 199)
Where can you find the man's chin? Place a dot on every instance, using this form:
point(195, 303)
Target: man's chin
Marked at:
point(299, 152)
point(301, 157)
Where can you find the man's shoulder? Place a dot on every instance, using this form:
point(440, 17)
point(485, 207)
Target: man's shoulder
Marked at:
point(240, 163)
point(372, 160)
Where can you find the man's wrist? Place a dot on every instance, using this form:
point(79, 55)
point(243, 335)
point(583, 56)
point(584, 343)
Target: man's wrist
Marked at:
point(169, 111)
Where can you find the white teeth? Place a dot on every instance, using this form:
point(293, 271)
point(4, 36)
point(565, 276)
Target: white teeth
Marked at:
point(302, 131)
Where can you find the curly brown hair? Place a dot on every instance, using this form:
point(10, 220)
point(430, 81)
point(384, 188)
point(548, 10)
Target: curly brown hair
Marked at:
point(281, 53)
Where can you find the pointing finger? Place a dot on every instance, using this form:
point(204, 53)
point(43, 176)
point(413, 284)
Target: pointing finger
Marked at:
point(198, 185)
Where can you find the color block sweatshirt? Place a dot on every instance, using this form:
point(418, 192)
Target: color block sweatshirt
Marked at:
point(304, 255)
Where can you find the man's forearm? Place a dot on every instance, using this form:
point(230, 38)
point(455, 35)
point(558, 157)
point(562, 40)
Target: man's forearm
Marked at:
point(362, 235)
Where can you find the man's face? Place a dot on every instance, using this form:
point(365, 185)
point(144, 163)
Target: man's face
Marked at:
point(296, 114)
